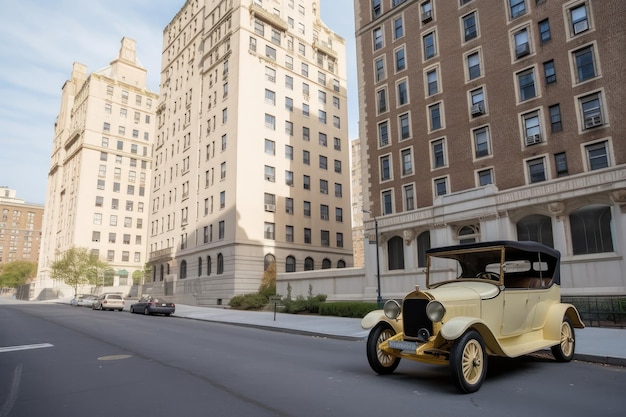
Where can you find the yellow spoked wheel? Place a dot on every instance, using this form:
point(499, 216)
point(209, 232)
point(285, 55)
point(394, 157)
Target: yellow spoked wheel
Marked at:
point(564, 351)
point(468, 362)
point(381, 362)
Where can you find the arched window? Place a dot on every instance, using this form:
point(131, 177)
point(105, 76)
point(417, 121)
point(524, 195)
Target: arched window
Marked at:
point(290, 264)
point(341, 263)
point(268, 261)
point(199, 266)
point(183, 269)
point(537, 228)
point(591, 230)
point(395, 251)
point(468, 234)
point(162, 273)
point(154, 273)
point(308, 264)
point(168, 269)
point(220, 264)
point(208, 265)
point(326, 264)
point(423, 244)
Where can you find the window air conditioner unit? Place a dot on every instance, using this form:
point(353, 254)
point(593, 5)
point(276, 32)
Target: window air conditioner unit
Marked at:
point(533, 139)
point(270, 207)
point(427, 16)
point(477, 109)
point(522, 50)
point(593, 121)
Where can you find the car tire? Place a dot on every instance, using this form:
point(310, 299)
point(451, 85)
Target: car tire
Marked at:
point(381, 362)
point(146, 311)
point(468, 362)
point(564, 351)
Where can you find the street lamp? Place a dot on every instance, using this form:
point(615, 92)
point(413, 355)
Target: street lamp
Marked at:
point(379, 299)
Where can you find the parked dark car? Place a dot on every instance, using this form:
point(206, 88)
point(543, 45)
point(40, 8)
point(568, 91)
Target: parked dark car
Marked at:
point(148, 304)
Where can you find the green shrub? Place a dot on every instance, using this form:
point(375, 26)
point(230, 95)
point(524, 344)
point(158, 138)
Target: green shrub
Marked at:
point(248, 301)
point(311, 304)
point(354, 309)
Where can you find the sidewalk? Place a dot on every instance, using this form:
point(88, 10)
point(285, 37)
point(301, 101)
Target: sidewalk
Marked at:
point(593, 344)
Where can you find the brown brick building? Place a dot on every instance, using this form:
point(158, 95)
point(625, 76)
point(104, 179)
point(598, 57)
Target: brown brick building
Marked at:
point(495, 119)
point(20, 228)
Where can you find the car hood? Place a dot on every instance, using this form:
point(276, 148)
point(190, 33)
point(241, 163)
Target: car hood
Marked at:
point(463, 290)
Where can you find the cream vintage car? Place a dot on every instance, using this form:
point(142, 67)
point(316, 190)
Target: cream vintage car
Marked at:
point(482, 299)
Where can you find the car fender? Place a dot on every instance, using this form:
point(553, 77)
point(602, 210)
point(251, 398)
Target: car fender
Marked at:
point(454, 329)
point(556, 315)
point(372, 318)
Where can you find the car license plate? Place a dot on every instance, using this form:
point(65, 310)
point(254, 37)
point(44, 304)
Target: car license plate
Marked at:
point(163, 305)
point(403, 345)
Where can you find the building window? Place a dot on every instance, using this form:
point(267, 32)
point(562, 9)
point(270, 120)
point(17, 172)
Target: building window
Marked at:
point(325, 238)
point(308, 262)
point(220, 264)
point(556, 124)
point(385, 168)
point(522, 46)
point(383, 134)
point(323, 162)
point(269, 230)
point(560, 163)
point(338, 214)
point(477, 99)
point(405, 126)
point(585, 67)
point(591, 229)
point(591, 108)
point(403, 93)
point(270, 97)
point(324, 212)
point(395, 252)
point(400, 59)
point(423, 244)
point(306, 180)
point(517, 8)
point(526, 84)
point(470, 28)
point(95, 236)
point(387, 200)
point(337, 166)
point(324, 186)
point(270, 147)
point(473, 66)
point(381, 97)
point(536, 170)
point(290, 264)
point(536, 228)
point(544, 31)
point(597, 155)
point(485, 177)
point(398, 28)
point(270, 173)
point(409, 197)
point(377, 35)
point(549, 72)
point(441, 186)
point(289, 205)
point(407, 162)
point(270, 121)
point(434, 113)
point(579, 19)
point(432, 82)
point(429, 45)
point(438, 153)
point(306, 157)
point(379, 68)
point(482, 145)
point(426, 9)
point(532, 128)
point(337, 144)
point(306, 209)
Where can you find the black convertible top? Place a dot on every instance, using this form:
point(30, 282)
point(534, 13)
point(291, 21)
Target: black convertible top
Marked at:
point(474, 256)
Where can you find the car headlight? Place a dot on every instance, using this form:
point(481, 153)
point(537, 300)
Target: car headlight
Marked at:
point(435, 311)
point(392, 309)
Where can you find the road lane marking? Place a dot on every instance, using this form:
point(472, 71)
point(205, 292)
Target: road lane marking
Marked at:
point(24, 347)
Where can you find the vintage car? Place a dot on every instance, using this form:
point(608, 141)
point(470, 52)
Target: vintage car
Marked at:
point(499, 298)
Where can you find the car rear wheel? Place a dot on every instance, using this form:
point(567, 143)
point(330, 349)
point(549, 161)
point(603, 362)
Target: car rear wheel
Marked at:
point(564, 351)
point(380, 361)
point(468, 362)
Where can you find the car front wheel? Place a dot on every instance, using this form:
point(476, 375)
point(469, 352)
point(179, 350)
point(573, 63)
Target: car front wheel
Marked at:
point(380, 361)
point(146, 311)
point(564, 351)
point(468, 362)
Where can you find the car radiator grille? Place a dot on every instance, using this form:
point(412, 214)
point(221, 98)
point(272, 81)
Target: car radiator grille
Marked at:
point(414, 317)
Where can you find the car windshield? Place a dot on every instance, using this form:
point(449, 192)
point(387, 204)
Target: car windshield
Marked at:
point(114, 297)
point(497, 263)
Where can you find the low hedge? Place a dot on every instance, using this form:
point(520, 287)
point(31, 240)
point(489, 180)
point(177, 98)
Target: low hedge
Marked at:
point(354, 309)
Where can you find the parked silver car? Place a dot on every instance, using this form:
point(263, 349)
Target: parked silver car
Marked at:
point(109, 301)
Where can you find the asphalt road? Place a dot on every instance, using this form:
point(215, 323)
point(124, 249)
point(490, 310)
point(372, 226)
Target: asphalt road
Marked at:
point(57, 360)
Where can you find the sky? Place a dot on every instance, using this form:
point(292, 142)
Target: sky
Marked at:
point(41, 39)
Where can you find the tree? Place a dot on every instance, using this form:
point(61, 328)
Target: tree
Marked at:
point(16, 273)
point(77, 266)
point(140, 276)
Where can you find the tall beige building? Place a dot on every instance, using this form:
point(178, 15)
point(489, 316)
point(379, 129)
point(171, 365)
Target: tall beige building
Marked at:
point(99, 177)
point(20, 228)
point(495, 119)
point(251, 160)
